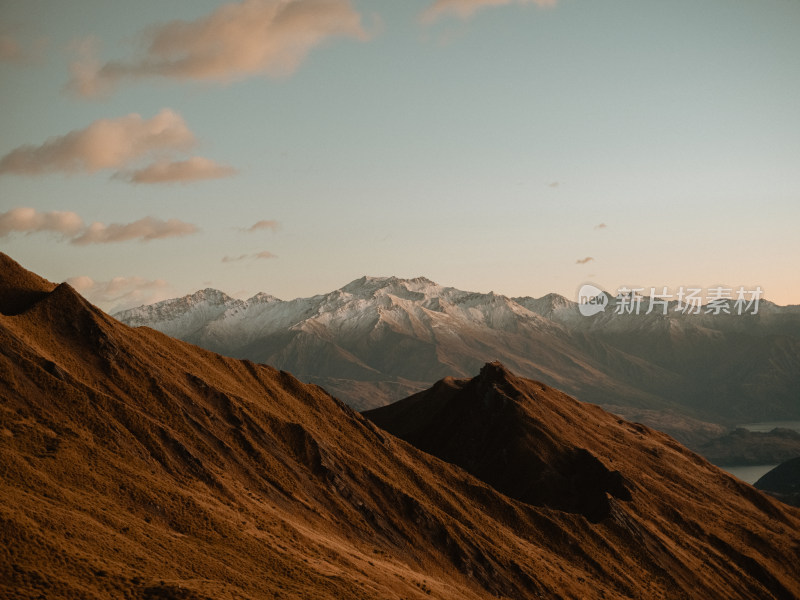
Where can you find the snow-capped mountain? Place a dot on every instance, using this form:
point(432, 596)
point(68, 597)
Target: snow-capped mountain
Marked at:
point(363, 307)
point(378, 339)
point(370, 328)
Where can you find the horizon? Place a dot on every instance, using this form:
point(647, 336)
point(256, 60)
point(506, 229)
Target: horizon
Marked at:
point(612, 297)
point(522, 147)
point(126, 304)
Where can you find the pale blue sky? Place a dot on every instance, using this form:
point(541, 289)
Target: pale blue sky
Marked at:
point(435, 149)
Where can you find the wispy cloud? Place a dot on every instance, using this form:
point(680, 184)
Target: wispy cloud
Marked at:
point(236, 41)
point(181, 171)
point(230, 259)
point(121, 293)
point(120, 144)
point(601, 226)
point(28, 220)
point(144, 230)
point(72, 227)
point(83, 79)
point(261, 225)
point(104, 144)
point(464, 9)
point(583, 261)
point(256, 256)
point(553, 184)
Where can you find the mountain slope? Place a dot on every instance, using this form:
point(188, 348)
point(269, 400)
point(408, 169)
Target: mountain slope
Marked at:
point(544, 448)
point(500, 428)
point(138, 466)
point(20, 288)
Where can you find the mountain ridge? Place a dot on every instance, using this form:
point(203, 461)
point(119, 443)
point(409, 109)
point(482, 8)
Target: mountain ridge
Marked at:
point(492, 412)
point(136, 465)
point(378, 339)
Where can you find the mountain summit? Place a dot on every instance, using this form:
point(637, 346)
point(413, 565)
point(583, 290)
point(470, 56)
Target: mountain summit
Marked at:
point(19, 289)
point(513, 434)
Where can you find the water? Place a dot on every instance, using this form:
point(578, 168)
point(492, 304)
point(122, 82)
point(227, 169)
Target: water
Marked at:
point(749, 473)
point(770, 425)
point(752, 473)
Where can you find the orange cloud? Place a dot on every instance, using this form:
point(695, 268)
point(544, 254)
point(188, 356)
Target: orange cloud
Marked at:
point(182, 171)
point(83, 79)
point(229, 259)
point(144, 230)
point(272, 225)
point(464, 9)
point(29, 220)
point(104, 144)
point(236, 41)
point(257, 255)
point(71, 226)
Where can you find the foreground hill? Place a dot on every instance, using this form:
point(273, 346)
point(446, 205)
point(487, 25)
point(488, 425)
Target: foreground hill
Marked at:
point(377, 340)
point(138, 466)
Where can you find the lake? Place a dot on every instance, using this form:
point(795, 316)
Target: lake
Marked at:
point(749, 473)
point(752, 473)
point(770, 425)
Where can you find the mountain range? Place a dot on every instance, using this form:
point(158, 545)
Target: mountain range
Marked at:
point(377, 340)
point(135, 465)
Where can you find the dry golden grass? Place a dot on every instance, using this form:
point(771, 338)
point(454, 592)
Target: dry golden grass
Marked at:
point(136, 466)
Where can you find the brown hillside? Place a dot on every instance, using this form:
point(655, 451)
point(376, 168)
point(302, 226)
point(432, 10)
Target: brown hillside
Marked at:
point(136, 466)
point(544, 448)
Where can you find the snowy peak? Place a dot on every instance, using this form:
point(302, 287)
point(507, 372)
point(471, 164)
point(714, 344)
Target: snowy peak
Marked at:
point(547, 305)
point(262, 298)
point(418, 307)
point(208, 296)
point(180, 316)
point(556, 301)
point(370, 287)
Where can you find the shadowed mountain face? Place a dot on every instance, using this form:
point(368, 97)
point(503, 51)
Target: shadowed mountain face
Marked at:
point(500, 428)
point(138, 466)
point(783, 482)
point(377, 340)
point(20, 289)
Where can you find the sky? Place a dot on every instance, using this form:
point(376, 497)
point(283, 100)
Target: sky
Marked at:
point(150, 149)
